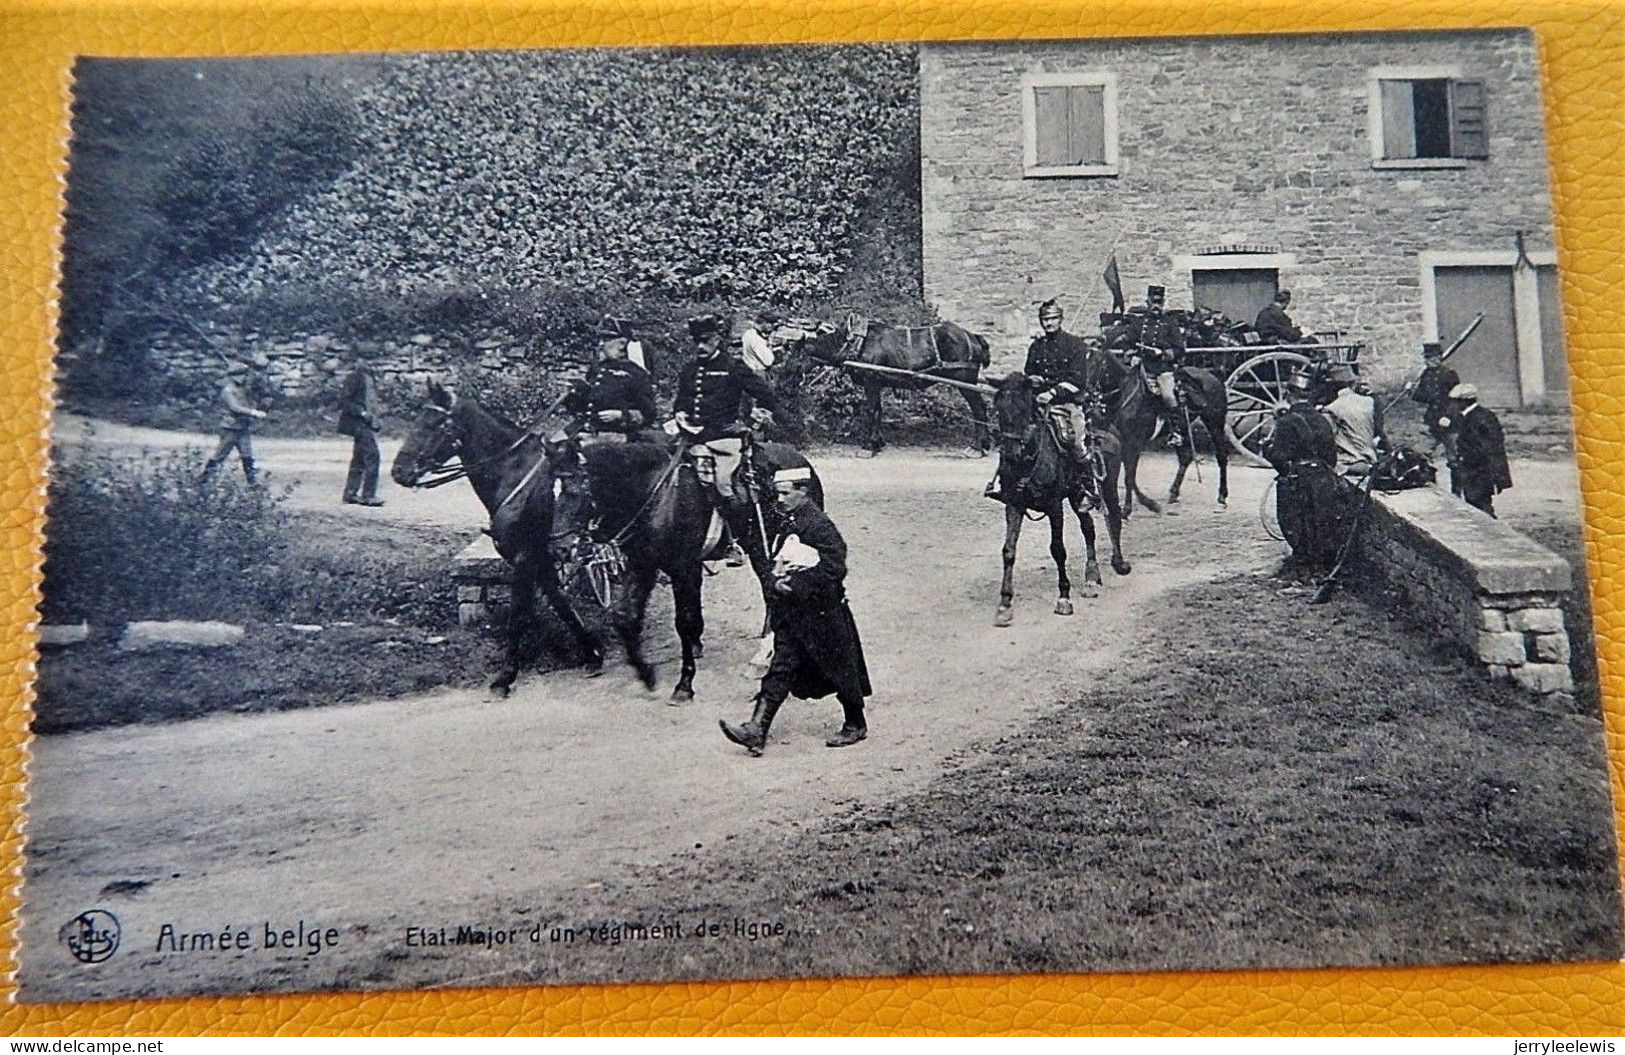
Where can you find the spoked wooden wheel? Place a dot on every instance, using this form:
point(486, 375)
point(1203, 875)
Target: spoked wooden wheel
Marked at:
point(1253, 390)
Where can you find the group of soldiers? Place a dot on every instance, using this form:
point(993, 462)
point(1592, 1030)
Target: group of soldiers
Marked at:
point(721, 392)
point(1330, 426)
point(1316, 439)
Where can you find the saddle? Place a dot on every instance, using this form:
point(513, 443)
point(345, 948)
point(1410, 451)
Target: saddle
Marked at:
point(1186, 387)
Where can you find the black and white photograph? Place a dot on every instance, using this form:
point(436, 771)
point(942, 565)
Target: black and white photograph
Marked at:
point(690, 514)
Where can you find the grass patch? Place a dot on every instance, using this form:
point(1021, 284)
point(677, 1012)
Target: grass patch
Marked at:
point(1327, 788)
point(274, 669)
point(145, 541)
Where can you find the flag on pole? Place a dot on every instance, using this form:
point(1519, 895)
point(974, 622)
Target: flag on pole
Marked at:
point(1114, 283)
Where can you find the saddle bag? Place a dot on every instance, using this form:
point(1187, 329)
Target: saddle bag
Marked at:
point(1402, 469)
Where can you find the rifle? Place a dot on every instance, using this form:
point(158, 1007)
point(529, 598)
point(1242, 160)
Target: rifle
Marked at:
point(1460, 340)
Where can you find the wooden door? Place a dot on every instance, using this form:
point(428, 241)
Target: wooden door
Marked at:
point(1240, 293)
point(1553, 350)
point(1489, 359)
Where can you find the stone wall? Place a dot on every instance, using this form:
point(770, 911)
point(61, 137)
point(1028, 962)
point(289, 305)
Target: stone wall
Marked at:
point(483, 580)
point(1479, 583)
point(1258, 141)
point(315, 365)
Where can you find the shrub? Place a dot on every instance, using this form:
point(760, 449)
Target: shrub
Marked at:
point(146, 538)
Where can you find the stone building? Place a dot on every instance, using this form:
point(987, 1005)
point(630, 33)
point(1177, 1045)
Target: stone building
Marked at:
point(1383, 178)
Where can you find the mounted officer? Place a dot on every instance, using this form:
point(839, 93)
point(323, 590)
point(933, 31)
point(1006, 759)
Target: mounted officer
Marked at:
point(617, 398)
point(1161, 348)
point(816, 648)
point(710, 390)
point(1071, 377)
point(1303, 451)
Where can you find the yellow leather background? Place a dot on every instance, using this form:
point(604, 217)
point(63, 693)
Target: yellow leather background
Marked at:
point(1583, 50)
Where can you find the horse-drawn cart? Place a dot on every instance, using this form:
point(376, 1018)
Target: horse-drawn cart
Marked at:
point(1255, 382)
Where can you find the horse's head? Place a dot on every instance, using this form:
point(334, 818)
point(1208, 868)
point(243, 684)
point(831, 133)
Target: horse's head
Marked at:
point(431, 443)
point(1015, 405)
point(826, 342)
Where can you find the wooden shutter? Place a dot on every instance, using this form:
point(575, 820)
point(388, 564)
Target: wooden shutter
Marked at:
point(1050, 117)
point(1398, 119)
point(1088, 125)
point(1469, 128)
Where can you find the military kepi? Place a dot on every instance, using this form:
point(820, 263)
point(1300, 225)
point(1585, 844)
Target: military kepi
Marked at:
point(610, 326)
point(1050, 309)
point(796, 475)
point(702, 326)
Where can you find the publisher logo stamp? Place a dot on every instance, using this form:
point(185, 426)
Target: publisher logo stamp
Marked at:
point(92, 936)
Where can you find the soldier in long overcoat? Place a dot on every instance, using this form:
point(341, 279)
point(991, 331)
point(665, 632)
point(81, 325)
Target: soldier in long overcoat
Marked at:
point(1303, 451)
point(816, 648)
point(1481, 455)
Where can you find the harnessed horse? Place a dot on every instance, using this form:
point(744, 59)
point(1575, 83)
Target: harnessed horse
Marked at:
point(649, 501)
point(945, 350)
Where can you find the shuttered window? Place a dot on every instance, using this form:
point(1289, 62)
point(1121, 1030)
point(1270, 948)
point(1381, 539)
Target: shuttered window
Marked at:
point(1071, 124)
point(1432, 117)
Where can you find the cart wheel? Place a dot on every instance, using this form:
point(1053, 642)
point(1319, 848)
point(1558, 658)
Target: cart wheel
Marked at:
point(1253, 390)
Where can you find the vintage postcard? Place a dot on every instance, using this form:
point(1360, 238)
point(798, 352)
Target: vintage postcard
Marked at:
point(639, 515)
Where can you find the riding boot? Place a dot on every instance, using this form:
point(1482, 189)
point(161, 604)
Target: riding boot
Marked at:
point(853, 727)
point(752, 736)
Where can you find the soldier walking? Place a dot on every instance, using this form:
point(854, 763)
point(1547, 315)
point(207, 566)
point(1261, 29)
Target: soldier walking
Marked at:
point(1432, 390)
point(237, 420)
point(816, 649)
point(1481, 465)
point(358, 421)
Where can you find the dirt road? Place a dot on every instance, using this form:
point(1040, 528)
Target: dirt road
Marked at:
point(375, 818)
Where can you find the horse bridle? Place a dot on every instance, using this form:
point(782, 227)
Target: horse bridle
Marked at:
point(446, 473)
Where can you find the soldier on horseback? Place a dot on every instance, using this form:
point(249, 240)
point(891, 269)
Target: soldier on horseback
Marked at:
point(1071, 378)
point(1162, 346)
point(710, 388)
point(617, 398)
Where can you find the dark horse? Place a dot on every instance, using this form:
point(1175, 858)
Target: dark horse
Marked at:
point(945, 350)
point(1139, 409)
point(1036, 476)
point(649, 500)
point(511, 473)
point(1130, 337)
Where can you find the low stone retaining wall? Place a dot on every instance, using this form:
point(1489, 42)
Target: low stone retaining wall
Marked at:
point(483, 579)
point(1496, 593)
